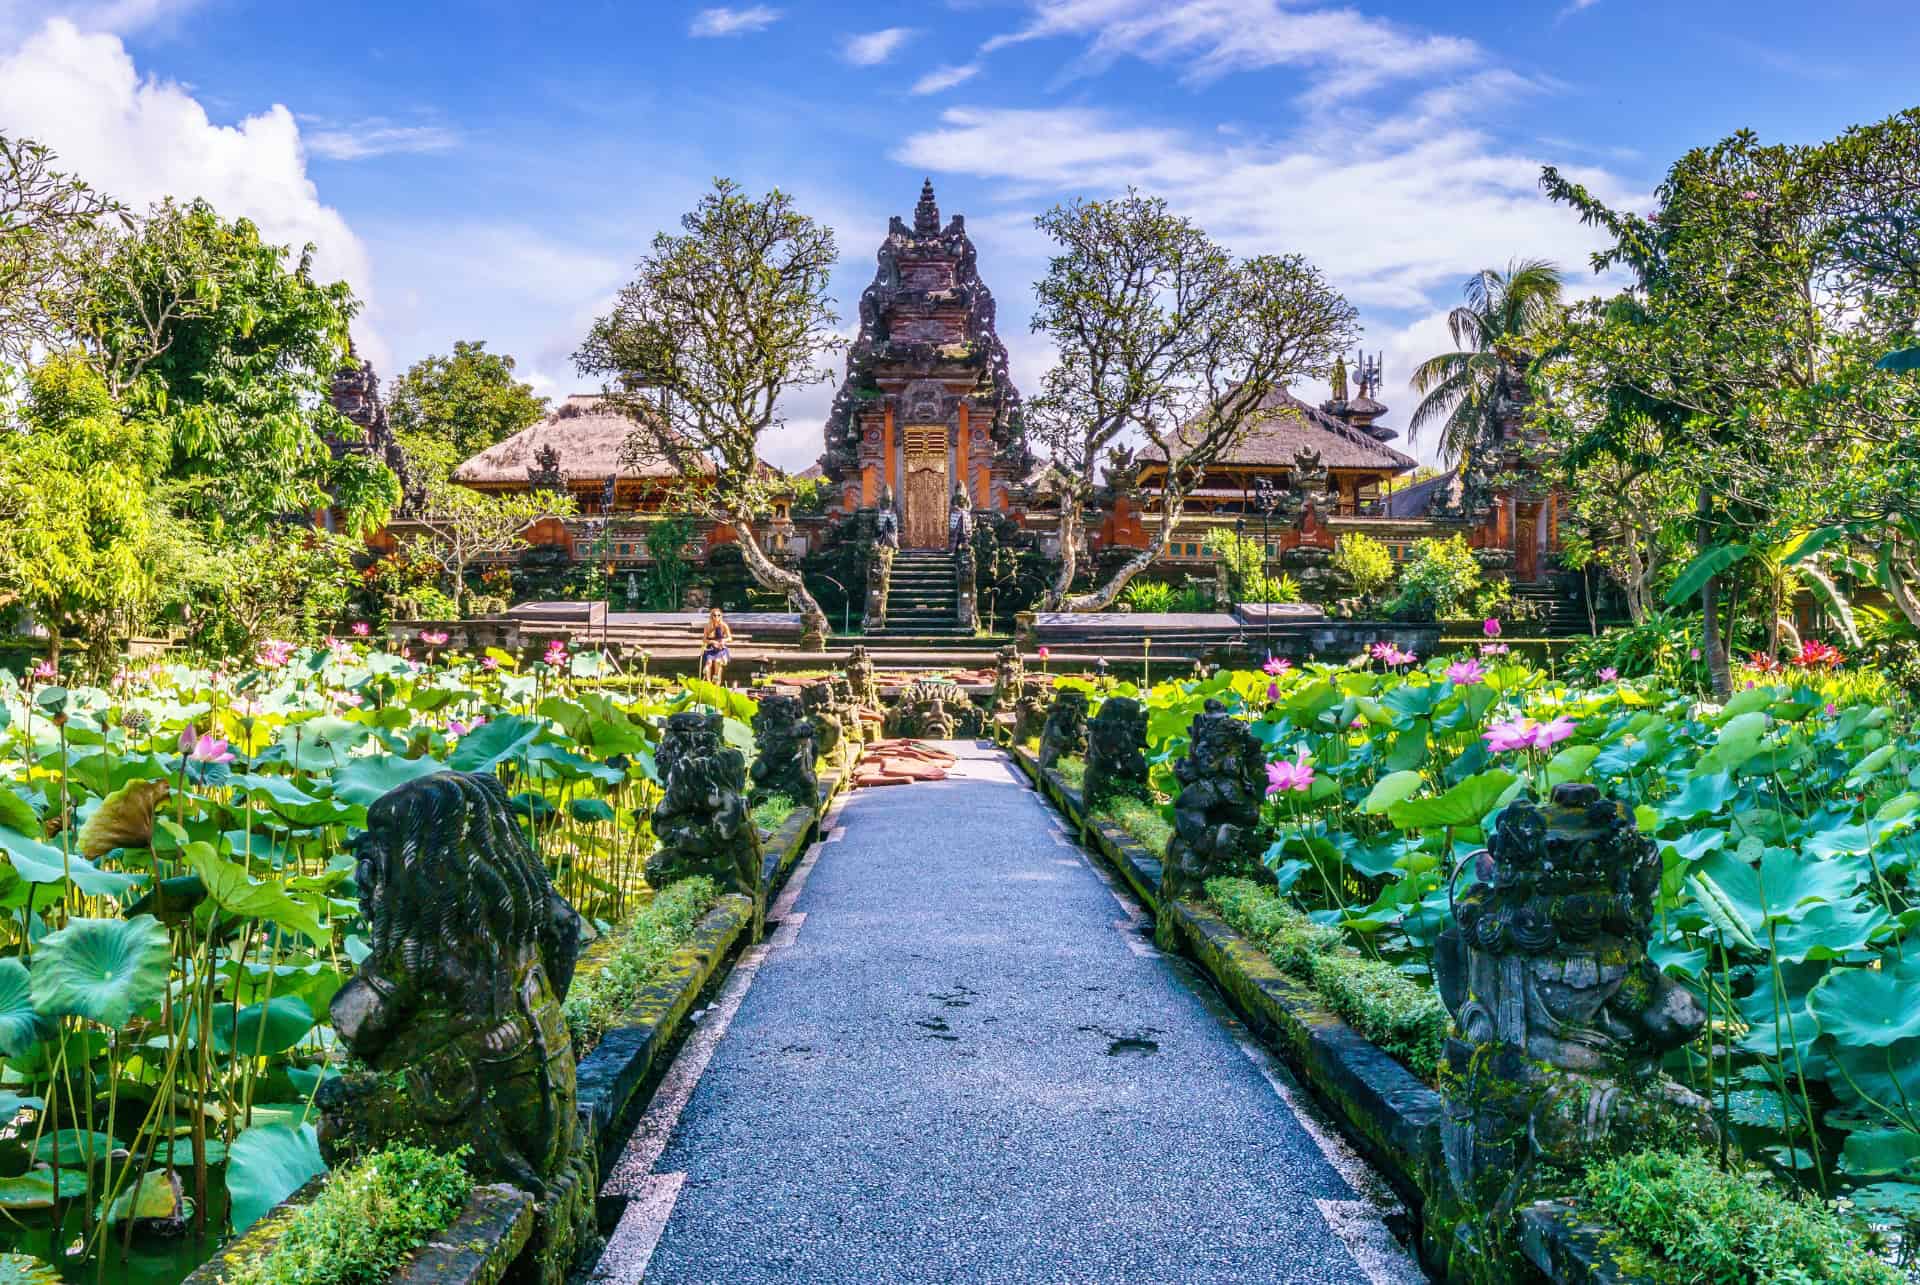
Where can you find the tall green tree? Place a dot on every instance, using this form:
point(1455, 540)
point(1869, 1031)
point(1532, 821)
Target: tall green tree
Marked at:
point(53, 228)
point(1495, 335)
point(77, 514)
point(1169, 349)
point(719, 323)
point(447, 409)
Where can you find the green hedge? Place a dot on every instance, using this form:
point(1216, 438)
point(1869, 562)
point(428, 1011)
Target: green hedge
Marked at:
point(367, 1220)
point(639, 959)
point(1681, 1218)
point(1389, 1008)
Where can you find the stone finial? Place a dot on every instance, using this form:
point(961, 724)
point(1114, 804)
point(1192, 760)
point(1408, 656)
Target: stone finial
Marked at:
point(1560, 1017)
point(1116, 752)
point(457, 1005)
point(1339, 381)
point(1216, 817)
point(1066, 731)
point(785, 736)
point(926, 215)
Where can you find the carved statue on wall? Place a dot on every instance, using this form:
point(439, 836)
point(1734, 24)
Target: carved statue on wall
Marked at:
point(879, 581)
point(886, 521)
point(1216, 816)
point(860, 678)
point(457, 1004)
point(933, 711)
point(1008, 673)
point(829, 731)
point(1065, 733)
point(1116, 752)
point(1030, 710)
point(1560, 1016)
point(702, 822)
point(784, 735)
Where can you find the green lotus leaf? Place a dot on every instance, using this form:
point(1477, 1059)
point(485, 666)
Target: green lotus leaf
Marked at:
point(1571, 764)
point(103, 970)
point(1870, 1007)
point(1828, 931)
point(16, 813)
point(288, 801)
point(590, 811)
point(35, 1190)
point(25, 1269)
point(268, 1163)
point(497, 740)
point(156, 1198)
point(1899, 1201)
point(236, 893)
point(1882, 1153)
point(1465, 804)
point(1390, 789)
point(263, 1029)
point(72, 1147)
point(21, 1027)
point(364, 780)
point(37, 862)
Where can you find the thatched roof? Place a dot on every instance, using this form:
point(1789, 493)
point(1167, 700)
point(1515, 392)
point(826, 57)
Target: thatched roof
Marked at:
point(590, 438)
point(1292, 426)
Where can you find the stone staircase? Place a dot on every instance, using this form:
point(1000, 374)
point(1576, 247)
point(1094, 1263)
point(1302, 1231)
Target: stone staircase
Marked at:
point(921, 609)
point(1562, 607)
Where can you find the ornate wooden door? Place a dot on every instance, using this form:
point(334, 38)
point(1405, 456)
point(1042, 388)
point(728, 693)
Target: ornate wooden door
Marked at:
point(925, 524)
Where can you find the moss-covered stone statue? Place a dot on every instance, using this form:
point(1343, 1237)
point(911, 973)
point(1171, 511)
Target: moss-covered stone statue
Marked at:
point(926, 711)
point(860, 678)
point(1560, 1018)
point(1030, 710)
point(830, 732)
point(456, 1007)
point(784, 735)
point(1216, 816)
point(702, 822)
point(1065, 733)
point(1116, 752)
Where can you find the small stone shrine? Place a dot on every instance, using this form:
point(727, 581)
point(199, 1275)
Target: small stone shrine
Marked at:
point(456, 1008)
point(1560, 1017)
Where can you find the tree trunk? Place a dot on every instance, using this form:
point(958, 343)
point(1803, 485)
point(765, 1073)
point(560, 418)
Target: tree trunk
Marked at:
point(1718, 670)
point(813, 621)
point(1101, 598)
point(1069, 554)
point(459, 585)
point(1901, 574)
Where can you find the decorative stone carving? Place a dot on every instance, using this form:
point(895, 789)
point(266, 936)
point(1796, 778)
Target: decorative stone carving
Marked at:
point(1216, 818)
point(457, 1006)
point(922, 711)
point(860, 678)
point(886, 521)
point(355, 393)
point(879, 577)
point(1066, 730)
point(702, 822)
point(1030, 710)
point(829, 731)
point(1008, 674)
point(965, 587)
point(785, 737)
point(1116, 752)
point(1560, 1017)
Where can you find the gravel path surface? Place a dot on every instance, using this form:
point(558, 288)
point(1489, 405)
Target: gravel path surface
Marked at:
point(968, 1064)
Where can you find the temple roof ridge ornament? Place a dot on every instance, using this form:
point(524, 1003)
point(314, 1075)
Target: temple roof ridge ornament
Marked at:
point(926, 215)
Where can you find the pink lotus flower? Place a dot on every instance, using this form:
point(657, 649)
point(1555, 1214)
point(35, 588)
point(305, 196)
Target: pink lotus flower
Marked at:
point(556, 653)
point(1273, 691)
point(339, 648)
point(1390, 654)
point(434, 637)
point(457, 728)
point(1275, 666)
point(1609, 675)
point(1832, 709)
point(44, 672)
point(489, 663)
point(1694, 654)
point(275, 652)
point(205, 748)
point(1042, 653)
point(1548, 735)
point(1490, 627)
point(1513, 734)
point(1284, 776)
point(1465, 673)
point(1494, 649)
point(361, 628)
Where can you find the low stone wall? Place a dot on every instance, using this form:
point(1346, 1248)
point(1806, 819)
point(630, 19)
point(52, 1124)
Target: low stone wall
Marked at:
point(613, 1080)
point(1391, 1117)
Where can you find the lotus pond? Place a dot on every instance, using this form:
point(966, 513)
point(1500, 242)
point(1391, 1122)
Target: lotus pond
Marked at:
point(1785, 817)
point(175, 882)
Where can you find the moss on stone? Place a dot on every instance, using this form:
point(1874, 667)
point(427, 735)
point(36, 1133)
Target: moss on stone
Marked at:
point(642, 957)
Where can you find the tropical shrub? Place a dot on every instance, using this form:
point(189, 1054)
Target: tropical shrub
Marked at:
point(1438, 582)
point(1246, 562)
point(1151, 596)
point(1366, 564)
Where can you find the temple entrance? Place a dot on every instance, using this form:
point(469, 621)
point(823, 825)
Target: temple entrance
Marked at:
point(924, 524)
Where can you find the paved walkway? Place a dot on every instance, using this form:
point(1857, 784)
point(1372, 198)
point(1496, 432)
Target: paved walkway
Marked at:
point(959, 1058)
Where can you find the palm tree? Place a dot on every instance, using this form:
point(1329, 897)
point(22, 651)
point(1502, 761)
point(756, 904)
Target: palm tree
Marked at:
point(1458, 389)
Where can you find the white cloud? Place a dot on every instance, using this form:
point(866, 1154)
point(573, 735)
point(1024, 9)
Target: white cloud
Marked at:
point(1391, 216)
point(1341, 51)
point(875, 47)
point(367, 138)
point(941, 78)
point(733, 22)
point(143, 138)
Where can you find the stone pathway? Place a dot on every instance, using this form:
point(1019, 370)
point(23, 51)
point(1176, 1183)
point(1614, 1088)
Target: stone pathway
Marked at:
point(959, 1058)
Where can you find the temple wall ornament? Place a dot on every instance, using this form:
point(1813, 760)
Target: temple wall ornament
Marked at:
point(456, 1008)
point(1116, 752)
point(702, 823)
point(1065, 733)
point(1216, 816)
point(1560, 1017)
point(785, 737)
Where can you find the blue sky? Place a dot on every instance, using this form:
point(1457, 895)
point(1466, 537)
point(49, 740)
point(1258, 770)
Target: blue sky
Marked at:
point(491, 170)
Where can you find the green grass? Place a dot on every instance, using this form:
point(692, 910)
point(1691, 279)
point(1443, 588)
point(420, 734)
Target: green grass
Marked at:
point(772, 812)
point(1071, 770)
point(639, 959)
point(1682, 1219)
point(1141, 820)
point(367, 1220)
point(1385, 1005)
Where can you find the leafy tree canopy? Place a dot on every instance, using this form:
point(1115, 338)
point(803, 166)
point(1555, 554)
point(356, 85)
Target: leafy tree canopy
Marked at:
point(447, 409)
